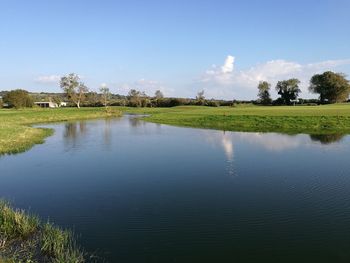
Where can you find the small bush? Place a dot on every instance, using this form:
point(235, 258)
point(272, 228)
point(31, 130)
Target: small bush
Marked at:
point(18, 99)
point(213, 103)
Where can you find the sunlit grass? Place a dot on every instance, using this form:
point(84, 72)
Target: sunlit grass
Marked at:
point(16, 223)
point(289, 119)
point(23, 238)
point(60, 245)
point(16, 134)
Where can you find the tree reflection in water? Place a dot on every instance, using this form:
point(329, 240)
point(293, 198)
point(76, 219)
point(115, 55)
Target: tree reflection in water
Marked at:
point(327, 138)
point(107, 138)
point(73, 131)
point(135, 121)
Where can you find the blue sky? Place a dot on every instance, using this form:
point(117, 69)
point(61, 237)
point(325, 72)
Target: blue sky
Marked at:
point(180, 47)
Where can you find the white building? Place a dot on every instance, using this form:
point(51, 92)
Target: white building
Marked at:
point(50, 104)
point(46, 104)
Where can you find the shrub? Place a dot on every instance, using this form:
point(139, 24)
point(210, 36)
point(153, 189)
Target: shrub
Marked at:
point(18, 99)
point(213, 103)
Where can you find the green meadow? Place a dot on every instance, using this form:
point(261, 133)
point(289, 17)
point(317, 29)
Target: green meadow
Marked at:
point(17, 133)
point(321, 119)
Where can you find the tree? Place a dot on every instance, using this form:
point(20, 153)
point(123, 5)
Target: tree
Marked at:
point(105, 95)
point(57, 100)
point(134, 97)
point(288, 89)
point(264, 92)
point(200, 98)
point(18, 98)
point(332, 87)
point(158, 95)
point(74, 88)
point(145, 101)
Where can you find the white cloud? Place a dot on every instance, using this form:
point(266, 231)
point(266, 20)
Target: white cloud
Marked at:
point(50, 79)
point(103, 85)
point(226, 82)
point(229, 64)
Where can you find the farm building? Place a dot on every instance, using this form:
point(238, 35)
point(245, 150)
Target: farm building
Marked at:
point(50, 104)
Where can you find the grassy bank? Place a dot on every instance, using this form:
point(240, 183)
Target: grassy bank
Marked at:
point(289, 119)
point(23, 238)
point(17, 135)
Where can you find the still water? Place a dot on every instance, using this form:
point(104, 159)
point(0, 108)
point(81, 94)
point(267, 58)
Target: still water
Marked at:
point(142, 192)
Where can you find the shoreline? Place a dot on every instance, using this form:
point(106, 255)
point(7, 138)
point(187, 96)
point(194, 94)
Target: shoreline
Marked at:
point(18, 135)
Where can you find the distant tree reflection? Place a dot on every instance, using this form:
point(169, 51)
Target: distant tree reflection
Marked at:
point(70, 130)
point(135, 121)
point(73, 131)
point(327, 138)
point(107, 138)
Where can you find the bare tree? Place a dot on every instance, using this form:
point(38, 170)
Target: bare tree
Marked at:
point(105, 95)
point(200, 98)
point(74, 88)
point(158, 94)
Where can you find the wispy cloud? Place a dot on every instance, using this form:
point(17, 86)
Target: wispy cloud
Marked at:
point(226, 82)
point(49, 79)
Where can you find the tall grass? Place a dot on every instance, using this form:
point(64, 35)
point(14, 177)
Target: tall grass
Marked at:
point(60, 245)
point(23, 238)
point(15, 223)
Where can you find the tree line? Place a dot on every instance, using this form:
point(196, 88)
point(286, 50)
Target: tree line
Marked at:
point(331, 88)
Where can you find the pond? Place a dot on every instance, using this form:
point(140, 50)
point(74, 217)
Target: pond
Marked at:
point(141, 192)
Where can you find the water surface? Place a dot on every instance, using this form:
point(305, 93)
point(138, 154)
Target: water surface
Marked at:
point(143, 192)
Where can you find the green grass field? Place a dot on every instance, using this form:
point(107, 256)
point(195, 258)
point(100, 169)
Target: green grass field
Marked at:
point(17, 135)
point(288, 119)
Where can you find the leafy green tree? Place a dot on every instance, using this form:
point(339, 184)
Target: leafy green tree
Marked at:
point(332, 87)
point(74, 88)
point(18, 99)
point(288, 90)
point(264, 92)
